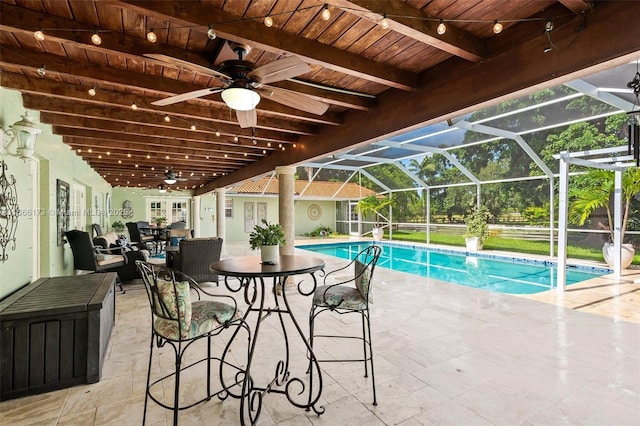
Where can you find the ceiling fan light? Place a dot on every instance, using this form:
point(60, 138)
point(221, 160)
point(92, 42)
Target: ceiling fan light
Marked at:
point(170, 181)
point(240, 99)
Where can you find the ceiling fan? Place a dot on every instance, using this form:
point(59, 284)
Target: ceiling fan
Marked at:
point(170, 177)
point(244, 84)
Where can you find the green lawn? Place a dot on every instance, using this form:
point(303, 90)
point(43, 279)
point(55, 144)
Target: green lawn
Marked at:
point(506, 244)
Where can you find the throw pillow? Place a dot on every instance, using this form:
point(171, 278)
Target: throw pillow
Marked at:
point(362, 276)
point(177, 302)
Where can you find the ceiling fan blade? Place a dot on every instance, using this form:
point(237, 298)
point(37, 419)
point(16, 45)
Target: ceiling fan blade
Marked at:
point(179, 63)
point(186, 96)
point(294, 100)
point(247, 118)
point(279, 70)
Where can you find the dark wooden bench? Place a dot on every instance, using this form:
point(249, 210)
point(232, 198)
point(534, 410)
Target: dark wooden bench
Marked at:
point(55, 333)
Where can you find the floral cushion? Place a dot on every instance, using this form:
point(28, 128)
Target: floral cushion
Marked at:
point(362, 274)
point(339, 296)
point(206, 315)
point(174, 306)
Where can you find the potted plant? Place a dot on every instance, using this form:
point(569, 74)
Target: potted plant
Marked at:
point(118, 226)
point(477, 222)
point(159, 221)
point(593, 191)
point(268, 237)
point(372, 205)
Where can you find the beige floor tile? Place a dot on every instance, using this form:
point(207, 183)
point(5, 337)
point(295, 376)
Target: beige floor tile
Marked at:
point(444, 355)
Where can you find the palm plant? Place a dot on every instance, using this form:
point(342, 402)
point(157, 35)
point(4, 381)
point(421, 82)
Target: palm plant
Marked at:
point(372, 205)
point(595, 190)
point(267, 234)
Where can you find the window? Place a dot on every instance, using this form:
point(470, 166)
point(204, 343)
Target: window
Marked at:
point(178, 212)
point(175, 210)
point(156, 209)
point(228, 207)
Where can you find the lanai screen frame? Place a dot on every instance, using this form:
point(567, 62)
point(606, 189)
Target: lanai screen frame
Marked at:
point(611, 93)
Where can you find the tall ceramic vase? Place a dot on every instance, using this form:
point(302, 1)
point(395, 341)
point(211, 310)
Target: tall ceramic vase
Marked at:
point(270, 254)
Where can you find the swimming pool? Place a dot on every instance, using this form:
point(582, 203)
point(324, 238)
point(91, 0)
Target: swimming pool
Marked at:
point(488, 272)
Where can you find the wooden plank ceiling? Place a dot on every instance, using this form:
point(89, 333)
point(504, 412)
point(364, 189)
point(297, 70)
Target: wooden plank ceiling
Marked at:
point(376, 81)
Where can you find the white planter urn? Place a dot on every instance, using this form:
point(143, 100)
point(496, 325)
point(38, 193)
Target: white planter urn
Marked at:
point(473, 243)
point(626, 252)
point(270, 254)
point(377, 233)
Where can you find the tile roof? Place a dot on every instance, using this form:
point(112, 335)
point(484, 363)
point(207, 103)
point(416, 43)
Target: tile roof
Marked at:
point(304, 189)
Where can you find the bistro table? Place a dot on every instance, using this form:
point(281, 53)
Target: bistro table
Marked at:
point(251, 274)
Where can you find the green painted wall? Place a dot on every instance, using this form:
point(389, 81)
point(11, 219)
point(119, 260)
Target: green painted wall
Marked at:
point(305, 221)
point(55, 160)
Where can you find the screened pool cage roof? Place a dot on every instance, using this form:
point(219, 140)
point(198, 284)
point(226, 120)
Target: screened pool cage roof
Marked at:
point(511, 125)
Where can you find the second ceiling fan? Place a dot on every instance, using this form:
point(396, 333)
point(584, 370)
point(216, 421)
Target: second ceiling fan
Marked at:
point(244, 84)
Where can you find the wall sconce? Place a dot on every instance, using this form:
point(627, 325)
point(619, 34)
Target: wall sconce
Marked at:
point(25, 132)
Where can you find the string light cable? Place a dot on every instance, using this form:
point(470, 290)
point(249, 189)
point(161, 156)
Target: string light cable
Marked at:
point(324, 14)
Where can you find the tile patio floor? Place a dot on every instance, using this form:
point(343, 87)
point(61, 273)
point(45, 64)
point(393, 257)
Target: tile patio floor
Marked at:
point(444, 355)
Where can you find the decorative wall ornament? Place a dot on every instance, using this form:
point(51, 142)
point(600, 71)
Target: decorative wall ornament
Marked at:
point(127, 210)
point(62, 211)
point(8, 211)
point(314, 212)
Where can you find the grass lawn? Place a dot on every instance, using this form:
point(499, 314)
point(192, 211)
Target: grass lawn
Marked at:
point(506, 244)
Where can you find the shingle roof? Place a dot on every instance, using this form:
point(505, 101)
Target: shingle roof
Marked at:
point(304, 189)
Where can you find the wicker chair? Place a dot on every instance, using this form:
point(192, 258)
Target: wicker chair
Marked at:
point(87, 257)
point(195, 256)
point(138, 238)
point(345, 296)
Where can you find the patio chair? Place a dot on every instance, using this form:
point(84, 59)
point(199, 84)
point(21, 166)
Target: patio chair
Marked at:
point(97, 229)
point(87, 257)
point(132, 252)
point(174, 236)
point(178, 225)
point(346, 296)
point(179, 318)
point(195, 255)
point(138, 238)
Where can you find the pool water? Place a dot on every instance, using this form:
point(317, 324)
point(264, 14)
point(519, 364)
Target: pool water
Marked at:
point(488, 272)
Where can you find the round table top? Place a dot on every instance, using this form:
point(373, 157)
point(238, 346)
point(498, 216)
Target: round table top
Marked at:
point(251, 266)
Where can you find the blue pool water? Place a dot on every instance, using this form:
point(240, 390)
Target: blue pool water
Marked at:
point(493, 273)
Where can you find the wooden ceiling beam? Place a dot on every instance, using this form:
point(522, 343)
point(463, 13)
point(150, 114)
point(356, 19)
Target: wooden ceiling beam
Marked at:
point(453, 88)
point(75, 93)
point(172, 145)
point(194, 163)
point(144, 149)
point(253, 32)
point(160, 87)
point(23, 21)
point(156, 126)
point(414, 23)
point(577, 6)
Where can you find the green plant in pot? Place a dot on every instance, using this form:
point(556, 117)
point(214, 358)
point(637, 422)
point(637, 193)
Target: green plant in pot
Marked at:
point(118, 226)
point(594, 190)
point(477, 221)
point(373, 205)
point(159, 221)
point(267, 237)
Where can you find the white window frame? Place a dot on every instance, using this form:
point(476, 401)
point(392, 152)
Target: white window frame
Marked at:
point(166, 209)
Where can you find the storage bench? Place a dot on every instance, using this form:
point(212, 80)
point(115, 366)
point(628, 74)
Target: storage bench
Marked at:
point(54, 333)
